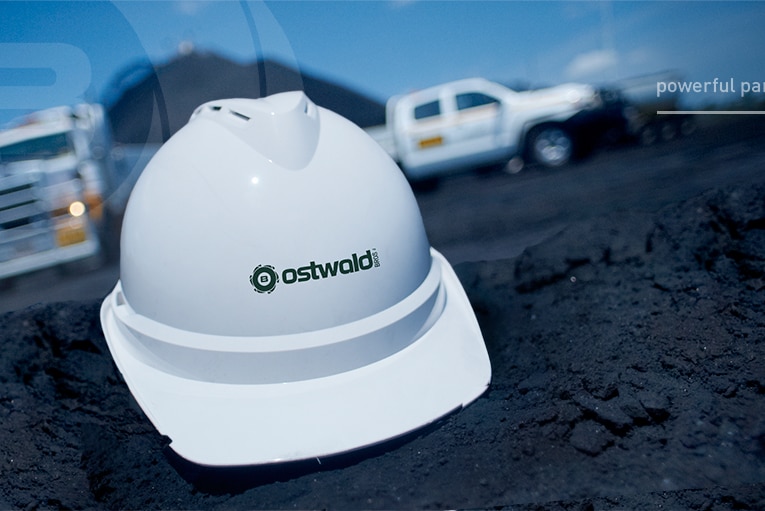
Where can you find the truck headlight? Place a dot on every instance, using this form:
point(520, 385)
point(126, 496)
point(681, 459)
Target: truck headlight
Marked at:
point(77, 209)
point(583, 98)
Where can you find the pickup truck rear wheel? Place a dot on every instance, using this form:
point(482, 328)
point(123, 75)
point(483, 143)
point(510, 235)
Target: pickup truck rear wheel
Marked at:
point(550, 146)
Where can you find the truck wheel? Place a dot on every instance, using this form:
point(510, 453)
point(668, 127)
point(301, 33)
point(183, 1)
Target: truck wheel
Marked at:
point(514, 165)
point(648, 135)
point(668, 131)
point(687, 126)
point(550, 146)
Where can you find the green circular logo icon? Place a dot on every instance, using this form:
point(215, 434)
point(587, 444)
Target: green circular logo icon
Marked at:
point(264, 278)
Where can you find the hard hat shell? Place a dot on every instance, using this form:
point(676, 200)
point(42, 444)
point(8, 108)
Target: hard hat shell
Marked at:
point(278, 297)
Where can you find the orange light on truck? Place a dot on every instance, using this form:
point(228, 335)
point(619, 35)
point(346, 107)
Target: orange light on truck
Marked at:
point(431, 142)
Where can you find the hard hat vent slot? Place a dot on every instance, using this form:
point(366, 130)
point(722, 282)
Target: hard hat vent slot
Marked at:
point(240, 115)
point(284, 128)
point(205, 109)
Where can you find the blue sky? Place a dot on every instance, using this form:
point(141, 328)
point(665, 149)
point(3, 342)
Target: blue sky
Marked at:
point(62, 52)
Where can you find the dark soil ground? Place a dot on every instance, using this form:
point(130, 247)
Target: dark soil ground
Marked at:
point(628, 373)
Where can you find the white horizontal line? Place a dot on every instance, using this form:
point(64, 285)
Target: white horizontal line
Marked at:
point(710, 112)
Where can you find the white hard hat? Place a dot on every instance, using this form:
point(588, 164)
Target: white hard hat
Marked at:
point(278, 297)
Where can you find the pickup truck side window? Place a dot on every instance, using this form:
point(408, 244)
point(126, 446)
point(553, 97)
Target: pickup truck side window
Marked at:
point(427, 110)
point(474, 99)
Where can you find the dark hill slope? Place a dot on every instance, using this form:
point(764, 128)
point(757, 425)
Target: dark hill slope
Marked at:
point(160, 102)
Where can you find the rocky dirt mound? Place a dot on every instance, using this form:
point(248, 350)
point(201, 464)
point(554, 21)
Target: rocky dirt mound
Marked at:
point(628, 373)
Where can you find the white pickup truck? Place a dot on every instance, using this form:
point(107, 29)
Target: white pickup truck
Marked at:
point(476, 122)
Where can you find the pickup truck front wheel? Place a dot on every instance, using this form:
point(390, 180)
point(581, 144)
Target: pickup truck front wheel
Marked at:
point(550, 146)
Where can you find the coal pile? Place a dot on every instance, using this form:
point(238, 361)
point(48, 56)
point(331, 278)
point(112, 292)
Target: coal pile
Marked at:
point(156, 101)
point(628, 373)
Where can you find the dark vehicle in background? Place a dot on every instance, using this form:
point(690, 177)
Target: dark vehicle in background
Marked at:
point(652, 118)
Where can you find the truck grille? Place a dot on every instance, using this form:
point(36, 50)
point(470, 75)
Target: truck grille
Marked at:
point(24, 225)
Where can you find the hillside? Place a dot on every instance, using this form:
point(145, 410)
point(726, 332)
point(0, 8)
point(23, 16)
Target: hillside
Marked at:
point(161, 101)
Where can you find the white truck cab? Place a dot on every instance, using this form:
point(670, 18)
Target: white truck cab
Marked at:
point(475, 122)
point(52, 185)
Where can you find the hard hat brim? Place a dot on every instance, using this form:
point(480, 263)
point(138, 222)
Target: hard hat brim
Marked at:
point(225, 424)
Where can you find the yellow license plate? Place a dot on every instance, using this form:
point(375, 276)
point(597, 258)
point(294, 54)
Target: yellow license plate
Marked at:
point(431, 142)
point(69, 235)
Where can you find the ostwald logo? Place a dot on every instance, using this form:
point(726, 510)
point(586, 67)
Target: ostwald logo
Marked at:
point(265, 277)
